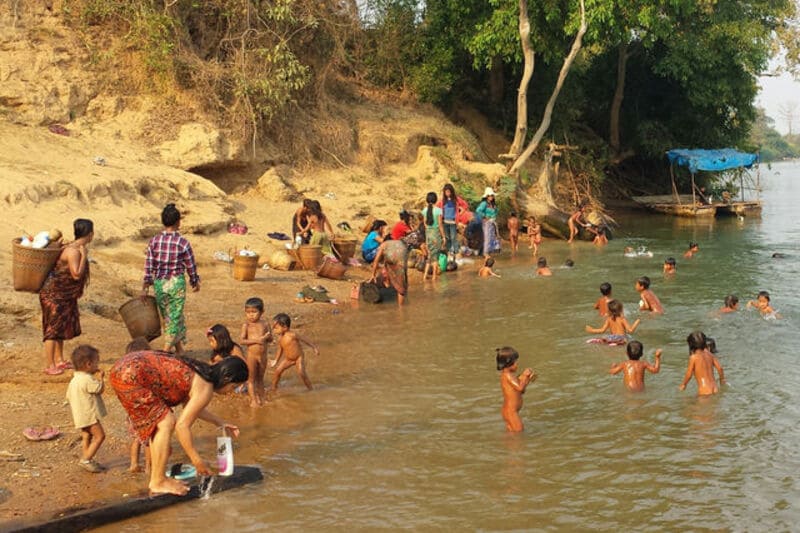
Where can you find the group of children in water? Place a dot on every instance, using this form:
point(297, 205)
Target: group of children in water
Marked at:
point(702, 361)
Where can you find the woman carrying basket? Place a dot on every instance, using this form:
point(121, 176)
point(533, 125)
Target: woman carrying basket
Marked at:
point(59, 297)
point(169, 256)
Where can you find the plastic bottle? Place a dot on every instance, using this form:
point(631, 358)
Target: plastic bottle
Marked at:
point(298, 240)
point(224, 455)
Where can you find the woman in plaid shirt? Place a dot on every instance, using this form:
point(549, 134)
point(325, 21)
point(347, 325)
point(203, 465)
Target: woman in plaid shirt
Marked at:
point(169, 255)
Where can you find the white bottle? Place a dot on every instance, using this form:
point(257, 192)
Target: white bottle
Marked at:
point(298, 240)
point(224, 455)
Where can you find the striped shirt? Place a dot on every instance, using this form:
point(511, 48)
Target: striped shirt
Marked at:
point(169, 255)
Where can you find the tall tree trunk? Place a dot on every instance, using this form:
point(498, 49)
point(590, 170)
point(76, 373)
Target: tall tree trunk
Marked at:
point(522, 94)
point(548, 110)
point(616, 102)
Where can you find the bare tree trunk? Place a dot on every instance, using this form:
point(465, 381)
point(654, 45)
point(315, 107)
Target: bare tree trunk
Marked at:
point(616, 102)
point(527, 73)
point(548, 110)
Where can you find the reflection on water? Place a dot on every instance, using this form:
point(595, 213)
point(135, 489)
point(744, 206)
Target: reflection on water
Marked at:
point(404, 428)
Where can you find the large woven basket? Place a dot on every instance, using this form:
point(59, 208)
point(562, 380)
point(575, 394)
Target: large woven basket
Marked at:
point(281, 260)
point(244, 267)
point(331, 269)
point(30, 266)
point(140, 316)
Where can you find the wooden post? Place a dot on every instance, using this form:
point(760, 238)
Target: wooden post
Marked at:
point(674, 188)
point(694, 202)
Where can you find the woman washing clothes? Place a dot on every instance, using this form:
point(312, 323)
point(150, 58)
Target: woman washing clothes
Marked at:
point(392, 256)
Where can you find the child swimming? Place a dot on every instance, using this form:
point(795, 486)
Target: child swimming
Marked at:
point(702, 365)
point(649, 301)
point(602, 303)
point(616, 324)
point(541, 267)
point(762, 303)
point(486, 270)
point(693, 249)
point(670, 267)
point(634, 368)
point(731, 304)
point(513, 387)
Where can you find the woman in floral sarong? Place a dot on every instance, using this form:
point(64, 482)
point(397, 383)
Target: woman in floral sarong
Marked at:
point(394, 256)
point(169, 255)
point(434, 234)
point(59, 297)
point(149, 384)
point(487, 210)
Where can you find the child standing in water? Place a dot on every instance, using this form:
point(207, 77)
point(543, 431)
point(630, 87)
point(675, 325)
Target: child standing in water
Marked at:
point(486, 270)
point(85, 400)
point(541, 267)
point(731, 304)
point(702, 365)
point(633, 368)
point(513, 387)
point(534, 235)
point(290, 347)
point(513, 232)
point(256, 333)
point(670, 267)
point(616, 324)
point(693, 249)
point(602, 303)
point(649, 301)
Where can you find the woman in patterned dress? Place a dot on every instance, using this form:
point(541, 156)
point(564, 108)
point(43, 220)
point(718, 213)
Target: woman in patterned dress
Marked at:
point(149, 383)
point(59, 297)
point(393, 254)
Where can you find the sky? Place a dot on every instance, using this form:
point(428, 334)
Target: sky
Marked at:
point(776, 91)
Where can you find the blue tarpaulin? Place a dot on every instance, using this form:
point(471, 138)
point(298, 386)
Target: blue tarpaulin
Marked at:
point(712, 160)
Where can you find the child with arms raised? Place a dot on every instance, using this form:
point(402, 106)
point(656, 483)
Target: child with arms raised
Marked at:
point(291, 349)
point(633, 368)
point(513, 387)
point(85, 401)
point(701, 365)
point(616, 324)
point(256, 333)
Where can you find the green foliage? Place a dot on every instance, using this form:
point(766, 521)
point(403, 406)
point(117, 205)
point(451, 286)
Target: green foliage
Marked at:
point(770, 144)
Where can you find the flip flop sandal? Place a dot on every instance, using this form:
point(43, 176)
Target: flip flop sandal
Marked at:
point(32, 434)
point(53, 371)
point(49, 433)
point(64, 365)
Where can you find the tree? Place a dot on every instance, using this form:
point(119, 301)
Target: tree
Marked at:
point(789, 112)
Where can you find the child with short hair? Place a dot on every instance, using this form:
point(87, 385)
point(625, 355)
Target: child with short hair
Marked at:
point(634, 368)
point(616, 324)
point(534, 235)
point(139, 344)
point(290, 347)
point(222, 345)
point(731, 304)
point(693, 249)
point(602, 303)
point(513, 387)
point(541, 267)
point(85, 401)
point(255, 335)
point(513, 232)
point(762, 303)
point(569, 263)
point(486, 270)
point(670, 266)
point(648, 300)
point(702, 365)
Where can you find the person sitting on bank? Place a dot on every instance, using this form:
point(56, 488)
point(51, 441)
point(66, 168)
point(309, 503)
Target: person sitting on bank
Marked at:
point(376, 235)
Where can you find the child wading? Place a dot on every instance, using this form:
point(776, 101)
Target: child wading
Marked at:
point(513, 387)
point(633, 368)
point(83, 394)
point(291, 349)
point(616, 324)
point(256, 333)
point(702, 365)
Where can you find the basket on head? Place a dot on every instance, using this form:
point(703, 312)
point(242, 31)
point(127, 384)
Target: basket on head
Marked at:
point(30, 266)
point(141, 317)
point(331, 269)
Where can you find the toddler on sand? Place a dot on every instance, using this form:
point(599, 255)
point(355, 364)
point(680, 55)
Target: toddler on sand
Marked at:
point(85, 400)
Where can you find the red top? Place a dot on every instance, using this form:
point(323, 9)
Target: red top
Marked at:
point(400, 230)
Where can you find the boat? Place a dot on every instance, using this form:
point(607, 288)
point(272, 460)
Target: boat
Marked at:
point(697, 204)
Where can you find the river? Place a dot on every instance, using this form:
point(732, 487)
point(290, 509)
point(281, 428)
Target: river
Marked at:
point(404, 430)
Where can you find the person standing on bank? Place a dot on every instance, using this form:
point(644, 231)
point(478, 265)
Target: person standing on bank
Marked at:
point(169, 256)
point(59, 297)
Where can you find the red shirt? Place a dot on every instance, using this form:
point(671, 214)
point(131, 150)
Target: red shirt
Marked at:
point(169, 255)
point(400, 230)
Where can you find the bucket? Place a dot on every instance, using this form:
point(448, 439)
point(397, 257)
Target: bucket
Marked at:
point(141, 317)
point(331, 269)
point(244, 267)
point(309, 256)
point(344, 249)
point(30, 266)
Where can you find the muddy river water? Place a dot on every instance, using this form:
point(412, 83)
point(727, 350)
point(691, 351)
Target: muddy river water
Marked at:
point(404, 427)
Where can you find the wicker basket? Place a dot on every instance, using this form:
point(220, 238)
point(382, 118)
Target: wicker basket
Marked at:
point(30, 266)
point(141, 318)
point(331, 269)
point(281, 260)
point(244, 267)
